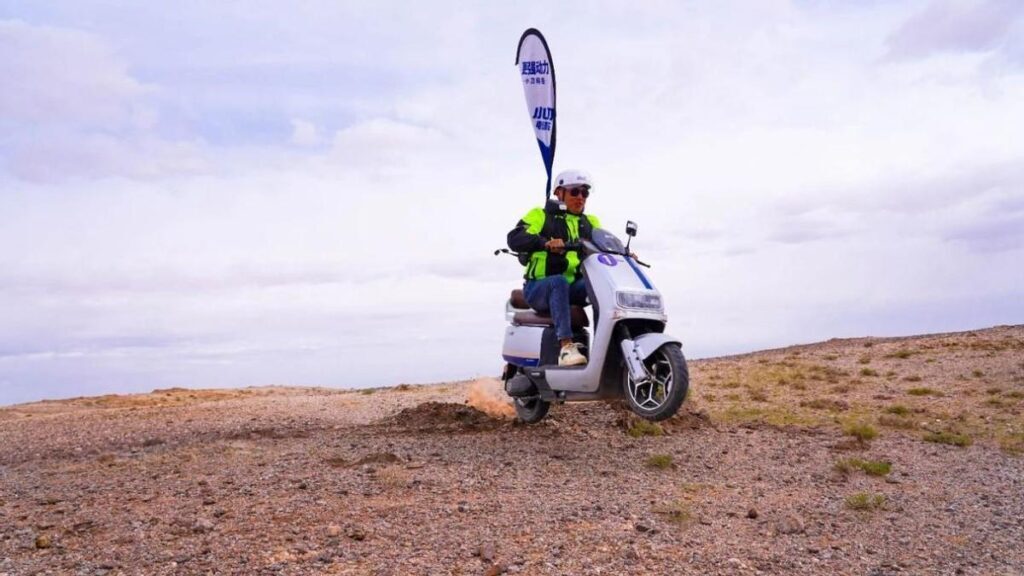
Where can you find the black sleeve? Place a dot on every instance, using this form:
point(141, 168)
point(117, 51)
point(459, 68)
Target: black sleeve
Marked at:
point(519, 240)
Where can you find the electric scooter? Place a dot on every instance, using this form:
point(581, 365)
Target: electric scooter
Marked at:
point(629, 356)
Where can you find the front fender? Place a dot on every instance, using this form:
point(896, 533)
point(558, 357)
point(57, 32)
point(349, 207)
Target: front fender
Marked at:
point(646, 344)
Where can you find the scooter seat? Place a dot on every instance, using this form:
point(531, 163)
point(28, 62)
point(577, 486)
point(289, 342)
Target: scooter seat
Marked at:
point(534, 318)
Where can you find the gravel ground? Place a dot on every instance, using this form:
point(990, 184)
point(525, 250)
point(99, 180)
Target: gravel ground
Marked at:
point(412, 480)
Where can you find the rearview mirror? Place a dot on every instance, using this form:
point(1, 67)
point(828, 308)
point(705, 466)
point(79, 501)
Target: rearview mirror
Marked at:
point(630, 228)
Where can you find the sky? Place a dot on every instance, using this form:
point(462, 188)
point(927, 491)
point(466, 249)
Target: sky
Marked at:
point(247, 194)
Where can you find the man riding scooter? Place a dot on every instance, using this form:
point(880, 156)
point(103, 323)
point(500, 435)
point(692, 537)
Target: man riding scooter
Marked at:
point(551, 280)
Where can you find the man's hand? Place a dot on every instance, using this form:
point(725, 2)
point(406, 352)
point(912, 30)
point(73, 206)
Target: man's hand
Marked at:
point(556, 245)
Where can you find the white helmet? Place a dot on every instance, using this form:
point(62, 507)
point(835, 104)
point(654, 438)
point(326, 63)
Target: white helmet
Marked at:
point(572, 178)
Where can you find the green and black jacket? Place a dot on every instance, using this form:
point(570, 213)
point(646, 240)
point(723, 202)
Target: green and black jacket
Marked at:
point(543, 224)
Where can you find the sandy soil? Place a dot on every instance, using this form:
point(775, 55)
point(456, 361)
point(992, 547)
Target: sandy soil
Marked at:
point(762, 473)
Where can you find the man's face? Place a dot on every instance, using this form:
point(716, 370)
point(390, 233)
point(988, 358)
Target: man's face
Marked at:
point(574, 197)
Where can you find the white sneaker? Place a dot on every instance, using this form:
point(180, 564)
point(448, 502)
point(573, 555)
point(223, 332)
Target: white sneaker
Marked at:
point(570, 356)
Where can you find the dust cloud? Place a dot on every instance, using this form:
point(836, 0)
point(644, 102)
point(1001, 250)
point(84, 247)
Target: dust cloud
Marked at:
point(488, 396)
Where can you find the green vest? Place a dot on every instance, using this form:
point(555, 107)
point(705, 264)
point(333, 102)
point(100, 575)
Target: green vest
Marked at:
point(566, 227)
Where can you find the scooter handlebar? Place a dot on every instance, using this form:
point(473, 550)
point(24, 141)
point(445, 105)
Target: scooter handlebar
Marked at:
point(569, 247)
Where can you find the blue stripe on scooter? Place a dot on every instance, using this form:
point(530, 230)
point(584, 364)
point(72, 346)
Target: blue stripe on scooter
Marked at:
point(521, 361)
point(632, 264)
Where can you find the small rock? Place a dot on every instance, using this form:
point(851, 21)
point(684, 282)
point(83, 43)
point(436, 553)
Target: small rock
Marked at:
point(356, 533)
point(752, 514)
point(486, 552)
point(202, 526)
point(495, 570)
point(791, 524)
point(43, 541)
point(641, 527)
point(333, 530)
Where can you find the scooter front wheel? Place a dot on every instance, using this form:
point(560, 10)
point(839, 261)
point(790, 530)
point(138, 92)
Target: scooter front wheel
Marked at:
point(660, 396)
point(531, 410)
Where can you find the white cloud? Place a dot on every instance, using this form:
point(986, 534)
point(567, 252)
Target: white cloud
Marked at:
point(948, 26)
point(304, 133)
point(58, 76)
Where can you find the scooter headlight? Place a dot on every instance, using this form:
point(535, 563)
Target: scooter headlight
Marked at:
point(639, 300)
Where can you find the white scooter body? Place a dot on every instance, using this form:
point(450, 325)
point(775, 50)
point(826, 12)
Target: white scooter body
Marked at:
point(628, 319)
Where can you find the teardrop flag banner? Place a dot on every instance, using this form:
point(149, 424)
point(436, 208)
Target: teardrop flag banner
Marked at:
point(536, 69)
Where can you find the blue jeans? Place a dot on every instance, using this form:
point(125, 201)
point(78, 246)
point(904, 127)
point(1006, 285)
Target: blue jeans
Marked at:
point(553, 295)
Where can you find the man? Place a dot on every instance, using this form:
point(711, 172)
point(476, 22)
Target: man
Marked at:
point(552, 282)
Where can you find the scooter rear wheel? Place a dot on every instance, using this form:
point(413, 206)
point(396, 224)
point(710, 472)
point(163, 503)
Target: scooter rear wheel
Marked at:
point(660, 397)
point(531, 410)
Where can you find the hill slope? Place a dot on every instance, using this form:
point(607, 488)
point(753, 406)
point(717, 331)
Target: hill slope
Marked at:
point(763, 473)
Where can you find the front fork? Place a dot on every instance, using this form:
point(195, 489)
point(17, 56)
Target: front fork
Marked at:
point(631, 355)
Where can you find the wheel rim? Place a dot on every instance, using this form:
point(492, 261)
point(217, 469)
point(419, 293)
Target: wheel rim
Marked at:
point(526, 404)
point(653, 393)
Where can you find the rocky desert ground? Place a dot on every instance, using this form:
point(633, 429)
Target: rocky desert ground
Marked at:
point(867, 456)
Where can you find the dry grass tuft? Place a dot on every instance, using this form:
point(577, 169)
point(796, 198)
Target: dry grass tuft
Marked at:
point(640, 428)
point(677, 512)
point(899, 422)
point(862, 431)
point(829, 404)
point(757, 395)
point(924, 391)
point(951, 438)
point(1013, 443)
point(863, 501)
point(660, 461)
point(869, 467)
